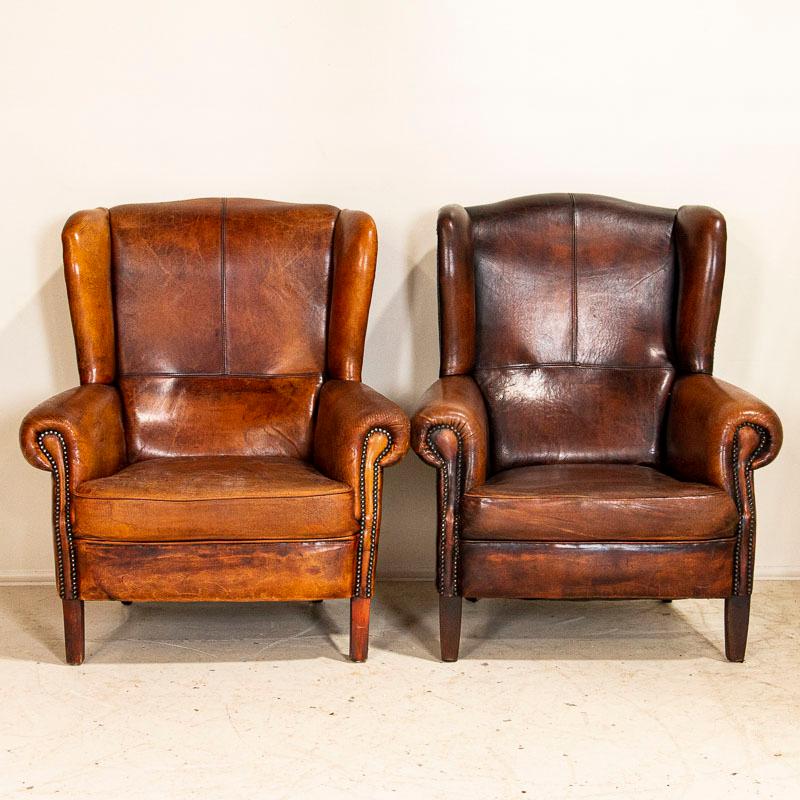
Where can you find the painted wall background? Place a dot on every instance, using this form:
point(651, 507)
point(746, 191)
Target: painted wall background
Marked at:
point(398, 108)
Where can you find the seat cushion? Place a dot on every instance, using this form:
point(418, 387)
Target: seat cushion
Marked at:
point(219, 497)
point(595, 502)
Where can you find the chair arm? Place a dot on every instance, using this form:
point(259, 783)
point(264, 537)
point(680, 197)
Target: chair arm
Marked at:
point(358, 432)
point(87, 422)
point(455, 404)
point(349, 416)
point(716, 431)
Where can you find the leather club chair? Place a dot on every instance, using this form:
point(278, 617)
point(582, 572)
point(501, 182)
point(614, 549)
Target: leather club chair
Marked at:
point(583, 447)
point(221, 445)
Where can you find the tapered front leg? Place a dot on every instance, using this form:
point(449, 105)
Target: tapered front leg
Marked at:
point(737, 622)
point(74, 637)
point(359, 628)
point(446, 443)
point(449, 626)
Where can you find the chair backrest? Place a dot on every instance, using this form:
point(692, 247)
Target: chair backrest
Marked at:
point(213, 317)
point(574, 313)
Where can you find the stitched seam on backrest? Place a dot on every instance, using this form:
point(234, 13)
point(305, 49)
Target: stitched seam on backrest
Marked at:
point(222, 267)
point(548, 364)
point(310, 373)
point(574, 353)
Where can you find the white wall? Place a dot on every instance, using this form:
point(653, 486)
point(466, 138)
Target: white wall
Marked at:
point(398, 108)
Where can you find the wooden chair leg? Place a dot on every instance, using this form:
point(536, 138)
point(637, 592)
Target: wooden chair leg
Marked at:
point(74, 639)
point(449, 626)
point(737, 621)
point(359, 628)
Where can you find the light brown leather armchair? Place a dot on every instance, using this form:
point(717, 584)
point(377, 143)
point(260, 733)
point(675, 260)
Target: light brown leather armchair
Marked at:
point(583, 448)
point(221, 445)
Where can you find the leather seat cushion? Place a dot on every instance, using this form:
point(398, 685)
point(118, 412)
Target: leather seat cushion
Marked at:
point(219, 497)
point(595, 502)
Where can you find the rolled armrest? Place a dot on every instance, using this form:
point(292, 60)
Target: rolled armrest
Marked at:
point(454, 403)
point(350, 412)
point(88, 421)
point(713, 426)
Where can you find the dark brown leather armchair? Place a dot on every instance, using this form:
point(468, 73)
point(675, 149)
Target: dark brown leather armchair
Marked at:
point(221, 445)
point(583, 448)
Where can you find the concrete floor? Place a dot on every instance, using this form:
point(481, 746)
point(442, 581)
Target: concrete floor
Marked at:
point(550, 700)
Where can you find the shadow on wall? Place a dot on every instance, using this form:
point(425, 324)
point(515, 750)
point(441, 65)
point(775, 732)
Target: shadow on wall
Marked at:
point(408, 529)
point(37, 367)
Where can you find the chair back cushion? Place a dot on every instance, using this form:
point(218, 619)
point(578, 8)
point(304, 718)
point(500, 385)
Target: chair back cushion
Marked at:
point(221, 313)
point(574, 319)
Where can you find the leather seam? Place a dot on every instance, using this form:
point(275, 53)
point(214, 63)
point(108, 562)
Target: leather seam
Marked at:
point(574, 309)
point(124, 375)
point(61, 486)
point(594, 544)
point(557, 364)
point(257, 498)
point(93, 541)
point(223, 286)
point(557, 498)
point(600, 542)
point(376, 467)
point(744, 505)
point(442, 461)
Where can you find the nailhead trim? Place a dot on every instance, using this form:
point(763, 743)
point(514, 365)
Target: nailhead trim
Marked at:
point(746, 503)
point(57, 511)
point(363, 500)
point(446, 491)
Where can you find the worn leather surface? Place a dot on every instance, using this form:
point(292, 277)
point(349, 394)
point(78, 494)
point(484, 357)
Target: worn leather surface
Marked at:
point(573, 290)
point(168, 271)
point(603, 570)
point(348, 410)
point(86, 240)
point(454, 401)
point(255, 272)
point(231, 290)
point(595, 502)
point(572, 279)
point(700, 241)
point(575, 413)
point(704, 417)
point(233, 497)
point(456, 291)
point(355, 251)
point(90, 420)
point(219, 415)
point(239, 571)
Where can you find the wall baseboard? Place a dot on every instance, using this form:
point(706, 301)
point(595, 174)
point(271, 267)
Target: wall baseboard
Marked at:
point(785, 573)
point(36, 577)
point(10, 577)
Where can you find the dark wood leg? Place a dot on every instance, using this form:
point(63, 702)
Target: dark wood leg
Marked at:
point(316, 602)
point(359, 628)
point(126, 602)
point(737, 621)
point(74, 631)
point(449, 626)
point(666, 601)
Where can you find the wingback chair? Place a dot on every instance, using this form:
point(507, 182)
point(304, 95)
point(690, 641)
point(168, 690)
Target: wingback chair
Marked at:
point(583, 448)
point(221, 445)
